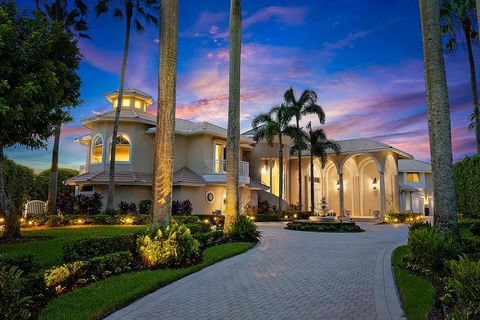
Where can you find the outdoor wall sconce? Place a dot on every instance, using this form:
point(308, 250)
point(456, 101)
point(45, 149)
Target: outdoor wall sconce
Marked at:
point(264, 169)
point(338, 185)
point(374, 183)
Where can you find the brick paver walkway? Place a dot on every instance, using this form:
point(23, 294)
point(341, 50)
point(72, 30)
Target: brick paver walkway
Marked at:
point(289, 275)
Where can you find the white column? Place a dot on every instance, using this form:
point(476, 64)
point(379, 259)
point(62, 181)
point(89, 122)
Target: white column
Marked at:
point(342, 198)
point(382, 195)
point(396, 202)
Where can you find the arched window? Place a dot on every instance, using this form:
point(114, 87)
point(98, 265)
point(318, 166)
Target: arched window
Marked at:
point(97, 149)
point(122, 150)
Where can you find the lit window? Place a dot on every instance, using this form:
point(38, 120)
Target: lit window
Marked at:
point(220, 157)
point(122, 150)
point(413, 177)
point(138, 104)
point(265, 170)
point(125, 102)
point(97, 150)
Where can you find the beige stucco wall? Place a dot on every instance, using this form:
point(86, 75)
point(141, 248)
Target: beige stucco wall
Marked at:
point(125, 193)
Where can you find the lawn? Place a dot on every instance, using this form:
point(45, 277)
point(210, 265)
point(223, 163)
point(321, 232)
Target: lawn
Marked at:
point(417, 294)
point(102, 298)
point(48, 251)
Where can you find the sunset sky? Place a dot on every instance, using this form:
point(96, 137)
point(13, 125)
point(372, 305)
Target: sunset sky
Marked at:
point(363, 58)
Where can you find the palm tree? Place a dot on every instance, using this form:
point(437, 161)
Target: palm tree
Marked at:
point(438, 111)
point(131, 9)
point(165, 135)
point(271, 125)
point(457, 19)
point(307, 104)
point(477, 5)
point(72, 21)
point(317, 144)
point(232, 211)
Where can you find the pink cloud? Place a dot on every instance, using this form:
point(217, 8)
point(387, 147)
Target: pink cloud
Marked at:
point(291, 16)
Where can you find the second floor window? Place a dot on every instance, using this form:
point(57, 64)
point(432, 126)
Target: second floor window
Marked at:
point(413, 177)
point(97, 150)
point(122, 150)
point(220, 157)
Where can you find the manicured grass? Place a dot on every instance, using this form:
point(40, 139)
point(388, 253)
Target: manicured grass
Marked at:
point(48, 251)
point(102, 298)
point(417, 294)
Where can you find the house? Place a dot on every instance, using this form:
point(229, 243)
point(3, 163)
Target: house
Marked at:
point(368, 177)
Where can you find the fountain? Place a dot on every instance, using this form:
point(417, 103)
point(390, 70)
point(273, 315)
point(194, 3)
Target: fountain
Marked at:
point(324, 214)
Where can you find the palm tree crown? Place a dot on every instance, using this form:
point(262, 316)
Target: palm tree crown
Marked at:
point(317, 144)
point(271, 125)
point(305, 105)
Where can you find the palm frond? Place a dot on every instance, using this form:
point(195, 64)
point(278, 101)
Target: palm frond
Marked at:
point(101, 7)
point(138, 26)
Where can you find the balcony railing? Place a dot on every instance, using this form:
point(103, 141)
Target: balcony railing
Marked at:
point(82, 169)
point(220, 167)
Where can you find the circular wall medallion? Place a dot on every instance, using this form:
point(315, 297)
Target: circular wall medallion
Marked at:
point(210, 196)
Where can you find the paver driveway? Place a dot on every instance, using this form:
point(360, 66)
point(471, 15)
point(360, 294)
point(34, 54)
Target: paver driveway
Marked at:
point(289, 275)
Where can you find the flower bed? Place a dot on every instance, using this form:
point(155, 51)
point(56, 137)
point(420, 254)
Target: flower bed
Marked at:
point(403, 217)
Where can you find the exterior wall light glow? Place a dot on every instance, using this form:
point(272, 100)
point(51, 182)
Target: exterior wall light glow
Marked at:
point(374, 183)
point(264, 169)
point(338, 185)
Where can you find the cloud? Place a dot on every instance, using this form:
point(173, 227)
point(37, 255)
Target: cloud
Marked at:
point(347, 41)
point(290, 16)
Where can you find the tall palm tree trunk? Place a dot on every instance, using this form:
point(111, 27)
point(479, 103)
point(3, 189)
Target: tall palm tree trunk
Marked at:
point(280, 180)
point(232, 211)
point(12, 227)
point(52, 188)
point(473, 82)
point(312, 187)
point(299, 174)
point(165, 133)
point(445, 219)
point(111, 181)
point(478, 11)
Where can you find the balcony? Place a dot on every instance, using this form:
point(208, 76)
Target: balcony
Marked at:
point(216, 170)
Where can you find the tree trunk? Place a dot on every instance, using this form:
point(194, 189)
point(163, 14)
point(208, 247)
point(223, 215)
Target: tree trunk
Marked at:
point(478, 11)
point(280, 180)
point(52, 188)
point(111, 181)
point(312, 187)
point(12, 227)
point(473, 83)
point(445, 218)
point(165, 133)
point(232, 211)
point(299, 173)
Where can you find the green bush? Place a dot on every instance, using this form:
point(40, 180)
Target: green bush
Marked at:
point(182, 208)
point(185, 219)
point(420, 225)
point(470, 237)
point(324, 226)
point(463, 289)
point(430, 251)
point(31, 276)
point(210, 238)
point(145, 207)
point(81, 272)
point(100, 219)
point(13, 304)
point(244, 230)
point(84, 249)
point(171, 246)
point(466, 174)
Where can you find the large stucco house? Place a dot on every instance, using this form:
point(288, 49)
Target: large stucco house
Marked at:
point(368, 177)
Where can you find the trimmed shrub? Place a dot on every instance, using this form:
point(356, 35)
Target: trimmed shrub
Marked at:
point(182, 208)
point(470, 237)
point(66, 202)
point(81, 272)
point(127, 207)
point(244, 230)
point(173, 246)
point(324, 226)
point(84, 249)
point(430, 251)
point(145, 207)
point(466, 175)
point(186, 219)
point(463, 289)
point(420, 225)
point(210, 238)
point(13, 304)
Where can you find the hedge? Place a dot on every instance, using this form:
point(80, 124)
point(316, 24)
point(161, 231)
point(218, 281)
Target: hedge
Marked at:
point(81, 272)
point(467, 181)
point(84, 249)
point(324, 226)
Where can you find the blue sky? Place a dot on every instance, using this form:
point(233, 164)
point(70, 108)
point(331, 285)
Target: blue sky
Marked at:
point(363, 58)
